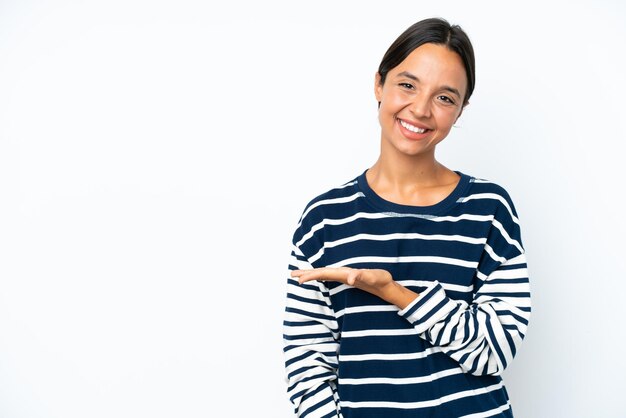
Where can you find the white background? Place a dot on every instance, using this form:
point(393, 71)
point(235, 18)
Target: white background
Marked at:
point(155, 157)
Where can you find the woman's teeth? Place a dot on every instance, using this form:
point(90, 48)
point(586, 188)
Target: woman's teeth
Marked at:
point(412, 128)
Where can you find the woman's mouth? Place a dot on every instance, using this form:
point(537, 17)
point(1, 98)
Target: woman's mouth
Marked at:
point(411, 131)
point(412, 128)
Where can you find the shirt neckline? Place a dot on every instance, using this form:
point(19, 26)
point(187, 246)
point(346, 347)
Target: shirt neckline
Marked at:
point(439, 207)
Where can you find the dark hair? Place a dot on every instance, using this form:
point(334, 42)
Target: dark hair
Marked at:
point(435, 31)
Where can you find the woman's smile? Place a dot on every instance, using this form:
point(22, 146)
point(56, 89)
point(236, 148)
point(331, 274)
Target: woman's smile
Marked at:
point(412, 130)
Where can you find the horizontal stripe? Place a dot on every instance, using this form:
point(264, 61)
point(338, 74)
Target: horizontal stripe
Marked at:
point(422, 404)
point(378, 333)
point(366, 308)
point(397, 236)
point(509, 274)
point(341, 221)
point(369, 215)
point(401, 380)
point(390, 357)
point(407, 259)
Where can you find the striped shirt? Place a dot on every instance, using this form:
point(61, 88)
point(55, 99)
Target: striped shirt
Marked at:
point(350, 354)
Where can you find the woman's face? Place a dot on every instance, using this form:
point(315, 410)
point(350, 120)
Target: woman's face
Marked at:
point(421, 99)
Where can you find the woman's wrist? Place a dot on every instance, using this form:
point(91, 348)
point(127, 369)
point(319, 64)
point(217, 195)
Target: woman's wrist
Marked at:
point(398, 295)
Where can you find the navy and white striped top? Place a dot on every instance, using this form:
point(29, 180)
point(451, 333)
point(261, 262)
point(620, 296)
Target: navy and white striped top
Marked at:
point(350, 354)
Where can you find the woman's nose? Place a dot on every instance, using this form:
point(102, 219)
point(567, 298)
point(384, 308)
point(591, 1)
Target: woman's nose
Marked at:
point(420, 106)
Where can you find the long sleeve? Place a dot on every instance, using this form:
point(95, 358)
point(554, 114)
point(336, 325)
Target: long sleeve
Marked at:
point(484, 335)
point(310, 334)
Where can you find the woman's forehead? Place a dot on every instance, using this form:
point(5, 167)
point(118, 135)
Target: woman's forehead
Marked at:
point(432, 62)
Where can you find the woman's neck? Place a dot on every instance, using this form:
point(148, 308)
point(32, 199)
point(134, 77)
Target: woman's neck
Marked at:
point(410, 172)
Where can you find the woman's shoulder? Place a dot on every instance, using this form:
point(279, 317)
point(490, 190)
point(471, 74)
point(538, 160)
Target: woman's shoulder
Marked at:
point(488, 193)
point(337, 192)
point(342, 192)
point(479, 185)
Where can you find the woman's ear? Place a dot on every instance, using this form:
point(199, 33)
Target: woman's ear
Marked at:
point(378, 88)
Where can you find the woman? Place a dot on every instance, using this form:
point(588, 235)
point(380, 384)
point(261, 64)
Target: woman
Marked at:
point(409, 291)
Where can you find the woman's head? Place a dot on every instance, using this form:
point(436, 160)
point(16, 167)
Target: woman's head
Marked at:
point(436, 31)
point(422, 86)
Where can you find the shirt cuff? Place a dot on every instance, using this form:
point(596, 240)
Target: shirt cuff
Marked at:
point(428, 308)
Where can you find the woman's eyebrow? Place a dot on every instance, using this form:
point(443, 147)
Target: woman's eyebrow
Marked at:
point(408, 75)
point(452, 90)
point(414, 78)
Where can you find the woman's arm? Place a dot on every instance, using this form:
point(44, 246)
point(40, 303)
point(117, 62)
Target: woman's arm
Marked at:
point(483, 336)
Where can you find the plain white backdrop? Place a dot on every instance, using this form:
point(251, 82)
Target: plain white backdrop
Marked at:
point(155, 157)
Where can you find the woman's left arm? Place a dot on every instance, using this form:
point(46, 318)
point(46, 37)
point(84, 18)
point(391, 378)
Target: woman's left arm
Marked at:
point(483, 337)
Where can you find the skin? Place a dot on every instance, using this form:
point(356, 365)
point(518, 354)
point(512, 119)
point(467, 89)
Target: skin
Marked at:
point(425, 90)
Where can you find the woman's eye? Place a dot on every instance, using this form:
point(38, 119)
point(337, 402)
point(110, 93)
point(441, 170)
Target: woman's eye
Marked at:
point(446, 99)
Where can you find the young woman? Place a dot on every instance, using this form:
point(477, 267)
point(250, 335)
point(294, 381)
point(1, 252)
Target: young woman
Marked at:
point(408, 292)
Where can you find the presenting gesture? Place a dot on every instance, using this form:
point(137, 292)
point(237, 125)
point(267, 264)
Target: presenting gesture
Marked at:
point(375, 281)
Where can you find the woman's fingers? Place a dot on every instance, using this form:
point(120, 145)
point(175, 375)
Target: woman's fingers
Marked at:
point(340, 274)
point(318, 274)
point(365, 278)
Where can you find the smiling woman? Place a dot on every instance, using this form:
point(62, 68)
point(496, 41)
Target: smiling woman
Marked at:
point(417, 112)
point(408, 292)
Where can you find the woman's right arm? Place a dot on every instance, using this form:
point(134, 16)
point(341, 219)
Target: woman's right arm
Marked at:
point(310, 335)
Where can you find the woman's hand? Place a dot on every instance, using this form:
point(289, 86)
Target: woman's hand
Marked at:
point(375, 281)
point(372, 281)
